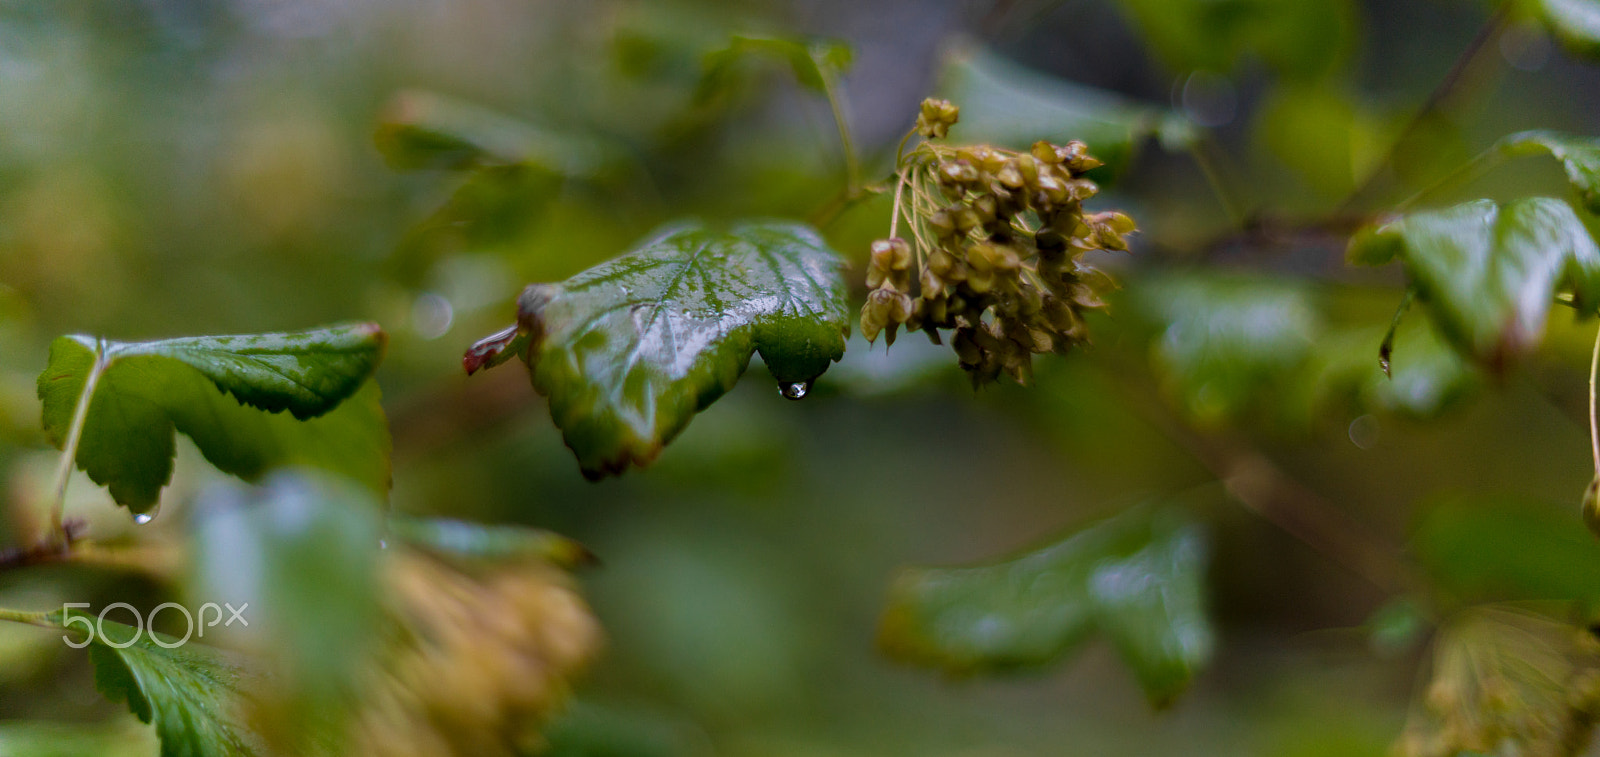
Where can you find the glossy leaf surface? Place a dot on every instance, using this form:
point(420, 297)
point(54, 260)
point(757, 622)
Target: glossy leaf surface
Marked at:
point(1490, 272)
point(1580, 156)
point(628, 351)
point(250, 403)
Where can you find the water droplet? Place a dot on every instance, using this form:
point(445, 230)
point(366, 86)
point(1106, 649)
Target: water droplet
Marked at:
point(1364, 431)
point(795, 390)
point(143, 518)
point(383, 544)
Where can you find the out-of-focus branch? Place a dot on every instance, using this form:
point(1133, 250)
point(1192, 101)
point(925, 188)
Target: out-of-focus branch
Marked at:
point(433, 419)
point(1441, 92)
point(1277, 497)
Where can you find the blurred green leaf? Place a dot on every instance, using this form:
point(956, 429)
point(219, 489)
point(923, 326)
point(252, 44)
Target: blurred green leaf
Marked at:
point(491, 543)
point(1321, 134)
point(189, 691)
point(1226, 343)
point(813, 61)
point(123, 737)
point(1490, 272)
point(628, 351)
point(1580, 156)
point(1505, 548)
point(146, 390)
point(1007, 104)
point(1575, 22)
point(302, 552)
point(427, 130)
point(1137, 579)
point(1303, 39)
point(1426, 377)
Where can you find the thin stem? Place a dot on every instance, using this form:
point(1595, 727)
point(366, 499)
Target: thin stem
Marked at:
point(830, 87)
point(69, 451)
point(1466, 172)
point(1594, 425)
point(1440, 93)
point(40, 619)
point(1199, 151)
point(894, 217)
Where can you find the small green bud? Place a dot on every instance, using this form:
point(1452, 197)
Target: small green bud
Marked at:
point(936, 118)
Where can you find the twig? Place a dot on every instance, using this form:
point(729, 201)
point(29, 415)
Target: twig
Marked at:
point(54, 548)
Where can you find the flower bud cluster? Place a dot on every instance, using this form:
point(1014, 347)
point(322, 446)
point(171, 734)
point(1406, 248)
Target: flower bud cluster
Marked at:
point(996, 250)
point(1507, 682)
point(480, 661)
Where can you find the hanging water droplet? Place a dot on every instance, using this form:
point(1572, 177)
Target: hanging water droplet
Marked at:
point(143, 518)
point(795, 390)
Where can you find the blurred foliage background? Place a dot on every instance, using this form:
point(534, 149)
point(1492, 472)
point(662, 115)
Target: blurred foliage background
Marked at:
point(175, 167)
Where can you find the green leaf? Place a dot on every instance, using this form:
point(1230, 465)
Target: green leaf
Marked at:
point(302, 552)
point(489, 543)
point(813, 61)
point(1575, 22)
point(145, 390)
point(1489, 272)
point(1303, 40)
point(1007, 104)
point(1580, 156)
point(628, 351)
point(1477, 549)
point(190, 692)
point(427, 130)
point(1226, 343)
point(1137, 579)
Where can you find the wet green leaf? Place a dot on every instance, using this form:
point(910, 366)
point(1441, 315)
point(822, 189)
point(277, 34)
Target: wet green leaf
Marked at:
point(1580, 156)
point(1007, 104)
point(493, 543)
point(189, 691)
point(1505, 548)
point(813, 61)
point(250, 403)
point(1490, 272)
point(302, 551)
point(1137, 579)
point(1575, 22)
point(628, 351)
